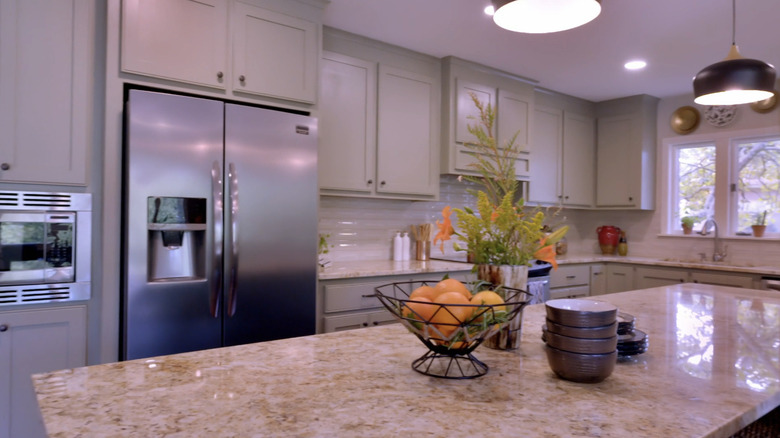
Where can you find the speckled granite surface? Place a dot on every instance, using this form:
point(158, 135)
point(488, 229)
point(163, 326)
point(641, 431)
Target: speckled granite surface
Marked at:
point(713, 366)
point(371, 268)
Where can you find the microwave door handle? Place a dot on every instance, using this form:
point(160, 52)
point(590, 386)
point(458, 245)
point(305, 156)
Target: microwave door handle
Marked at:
point(233, 273)
point(215, 288)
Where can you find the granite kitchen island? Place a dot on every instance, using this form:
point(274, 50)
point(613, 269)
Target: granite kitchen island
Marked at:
point(713, 367)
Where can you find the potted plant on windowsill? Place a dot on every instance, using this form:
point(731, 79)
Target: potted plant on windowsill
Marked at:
point(687, 224)
point(760, 226)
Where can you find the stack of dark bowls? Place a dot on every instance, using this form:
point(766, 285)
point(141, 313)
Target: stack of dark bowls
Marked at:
point(631, 341)
point(581, 338)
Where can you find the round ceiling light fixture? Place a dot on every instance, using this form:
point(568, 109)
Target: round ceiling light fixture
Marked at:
point(544, 16)
point(735, 80)
point(637, 64)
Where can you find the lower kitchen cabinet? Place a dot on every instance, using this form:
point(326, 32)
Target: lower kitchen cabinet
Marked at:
point(730, 279)
point(570, 281)
point(619, 278)
point(350, 303)
point(357, 320)
point(35, 341)
point(654, 277)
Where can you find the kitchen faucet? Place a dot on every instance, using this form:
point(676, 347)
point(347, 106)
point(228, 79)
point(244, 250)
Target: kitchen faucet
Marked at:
point(718, 254)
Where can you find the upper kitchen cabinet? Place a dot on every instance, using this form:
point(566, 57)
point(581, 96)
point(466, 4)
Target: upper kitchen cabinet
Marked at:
point(563, 150)
point(378, 116)
point(181, 40)
point(512, 98)
point(625, 157)
point(47, 52)
point(274, 54)
point(266, 48)
point(347, 124)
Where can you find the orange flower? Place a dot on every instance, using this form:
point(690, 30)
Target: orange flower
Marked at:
point(546, 253)
point(445, 227)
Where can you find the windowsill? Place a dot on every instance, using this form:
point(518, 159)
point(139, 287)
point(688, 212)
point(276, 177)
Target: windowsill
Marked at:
point(768, 238)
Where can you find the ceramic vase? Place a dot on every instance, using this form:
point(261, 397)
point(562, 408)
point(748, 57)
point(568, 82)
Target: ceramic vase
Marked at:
point(514, 276)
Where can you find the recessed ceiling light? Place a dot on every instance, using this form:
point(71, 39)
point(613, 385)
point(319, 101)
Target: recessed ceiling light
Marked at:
point(635, 65)
point(490, 10)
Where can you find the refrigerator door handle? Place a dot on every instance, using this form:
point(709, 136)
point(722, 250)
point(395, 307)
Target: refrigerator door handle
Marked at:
point(233, 279)
point(215, 288)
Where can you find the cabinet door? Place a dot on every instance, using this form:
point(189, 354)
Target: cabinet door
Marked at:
point(467, 112)
point(381, 317)
point(620, 278)
point(731, 279)
point(274, 54)
point(617, 171)
point(544, 186)
point(181, 40)
point(598, 280)
point(578, 165)
point(512, 119)
point(35, 341)
point(570, 275)
point(345, 322)
point(655, 277)
point(407, 150)
point(347, 124)
point(46, 82)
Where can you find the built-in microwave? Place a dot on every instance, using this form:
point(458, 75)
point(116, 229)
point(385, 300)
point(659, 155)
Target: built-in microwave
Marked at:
point(45, 247)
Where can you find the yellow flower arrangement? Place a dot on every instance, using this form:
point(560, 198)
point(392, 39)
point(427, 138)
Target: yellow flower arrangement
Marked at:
point(499, 232)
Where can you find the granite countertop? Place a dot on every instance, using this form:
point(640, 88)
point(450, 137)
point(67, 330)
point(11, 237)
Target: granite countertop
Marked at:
point(712, 367)
point(372, 268)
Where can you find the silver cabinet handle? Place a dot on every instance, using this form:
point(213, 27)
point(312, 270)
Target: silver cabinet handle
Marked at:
point(233, 274)
point(216, 254)
point(5, 166)
point(3, 327)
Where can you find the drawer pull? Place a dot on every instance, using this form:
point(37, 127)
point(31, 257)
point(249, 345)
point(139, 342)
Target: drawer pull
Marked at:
point(570, 277)
point(3, 327)
point(365, 324)
point(369, 296)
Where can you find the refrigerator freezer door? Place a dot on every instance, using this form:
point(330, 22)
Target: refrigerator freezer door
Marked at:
point(274, 158)
point(173, 165)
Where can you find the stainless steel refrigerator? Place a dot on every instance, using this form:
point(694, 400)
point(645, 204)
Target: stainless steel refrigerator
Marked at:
point(219, 224)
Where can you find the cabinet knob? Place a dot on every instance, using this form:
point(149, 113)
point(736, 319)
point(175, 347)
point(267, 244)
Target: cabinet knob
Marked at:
point(631, 198)
point(371, 181)
point(566, 197)
point(3, 327)
point(5, 166)
point(365, 324)
point(242, 78)
point(376, 322)
point(381, 183)
point(219, 75)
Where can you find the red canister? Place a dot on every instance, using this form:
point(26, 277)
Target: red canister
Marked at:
point(608, 238)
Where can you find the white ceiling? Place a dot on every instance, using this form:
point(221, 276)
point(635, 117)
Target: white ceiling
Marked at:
point(676, 37)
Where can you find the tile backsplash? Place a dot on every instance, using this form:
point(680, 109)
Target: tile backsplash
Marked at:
point(363, 229)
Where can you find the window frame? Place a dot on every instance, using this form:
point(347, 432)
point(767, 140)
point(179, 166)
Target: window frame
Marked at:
point(725, 150)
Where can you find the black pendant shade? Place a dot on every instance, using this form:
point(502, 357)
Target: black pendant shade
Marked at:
point(734, 82)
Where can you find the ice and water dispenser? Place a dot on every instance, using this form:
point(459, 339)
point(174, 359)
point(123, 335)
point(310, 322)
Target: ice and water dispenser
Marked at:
point(176, 238)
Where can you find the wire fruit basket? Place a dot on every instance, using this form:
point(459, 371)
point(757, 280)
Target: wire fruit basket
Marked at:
point(450, 344)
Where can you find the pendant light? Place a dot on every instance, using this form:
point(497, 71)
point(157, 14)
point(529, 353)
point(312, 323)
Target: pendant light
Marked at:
point(735, 80)
point(544, 16)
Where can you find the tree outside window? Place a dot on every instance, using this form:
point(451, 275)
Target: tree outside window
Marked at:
point(757, 168)
point(695, 182)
